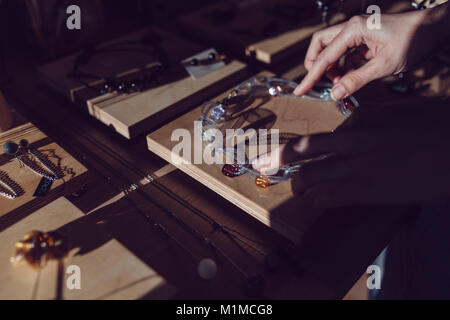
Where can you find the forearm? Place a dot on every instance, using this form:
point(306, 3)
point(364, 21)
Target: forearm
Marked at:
point(436, 22)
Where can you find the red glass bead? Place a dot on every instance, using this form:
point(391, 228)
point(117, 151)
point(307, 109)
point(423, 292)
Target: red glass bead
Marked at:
point(231, 170)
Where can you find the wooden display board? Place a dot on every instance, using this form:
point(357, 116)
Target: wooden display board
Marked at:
point(131, 114)
point(27, 179)
point(268, 30)
point(107, 269)
point(275, 206)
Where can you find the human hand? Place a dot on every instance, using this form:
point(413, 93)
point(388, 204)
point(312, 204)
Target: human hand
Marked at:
point(403, 40)
point(385, 155)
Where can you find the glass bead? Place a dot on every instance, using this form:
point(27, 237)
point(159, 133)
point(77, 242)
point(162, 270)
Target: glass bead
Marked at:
point(11, 148)
point(232, 170)
point(325, 94)
point(193, 62)
point(347, 106)
point(24, 143)
point(281, 87)
point(217, 112)
point(37, 247)
point(212, 56)
point(262, 182)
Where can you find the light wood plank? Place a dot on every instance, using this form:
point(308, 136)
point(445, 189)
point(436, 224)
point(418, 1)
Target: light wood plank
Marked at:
point(135, 113)
point(257, 30)
point(275, 206)
point(108, 269)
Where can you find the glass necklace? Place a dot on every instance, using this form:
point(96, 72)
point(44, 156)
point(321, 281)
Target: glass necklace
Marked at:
point(220, 115)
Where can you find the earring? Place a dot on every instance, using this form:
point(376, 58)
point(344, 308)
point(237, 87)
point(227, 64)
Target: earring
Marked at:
point(13, 149)
point(9, 188)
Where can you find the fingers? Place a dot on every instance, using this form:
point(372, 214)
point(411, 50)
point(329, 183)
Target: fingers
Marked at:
point(334, 73)
point(320, 41)
point(352, 61)
point(349, 37)
point(356, 79)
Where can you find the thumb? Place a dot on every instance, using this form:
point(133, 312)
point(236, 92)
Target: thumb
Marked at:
point(358, 78)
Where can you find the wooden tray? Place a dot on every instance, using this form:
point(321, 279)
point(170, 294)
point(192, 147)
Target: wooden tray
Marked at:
point(256, 30)
point(274, 206)
point(108, 270)
point(134, 113)
point(26, 178)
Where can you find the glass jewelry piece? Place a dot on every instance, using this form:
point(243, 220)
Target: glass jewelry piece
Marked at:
point(38, 247)
point(11, 148)
point(217, 112)
point(23, 143)
point(281, 87)
point(347, 106)
point(29, 163)
point(213, 115)
point(8, 188)
point(212, 56)
point(263, 182)
point(233, 170)
point(31, 250)
point(320, 92)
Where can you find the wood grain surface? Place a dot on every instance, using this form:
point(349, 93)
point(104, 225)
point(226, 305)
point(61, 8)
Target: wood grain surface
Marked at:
point(270, 206)
point(131, 114)
point(108, 270)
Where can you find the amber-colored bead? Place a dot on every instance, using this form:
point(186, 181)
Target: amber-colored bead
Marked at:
point(37, 247)
point(262, 182)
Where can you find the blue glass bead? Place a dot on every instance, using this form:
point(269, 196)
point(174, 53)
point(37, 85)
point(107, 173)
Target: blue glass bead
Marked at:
point(11, 148)
point(217, 112)
point(24, 143)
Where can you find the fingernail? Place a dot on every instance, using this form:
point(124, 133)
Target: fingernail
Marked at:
point(338, 92)
point(298, 90)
